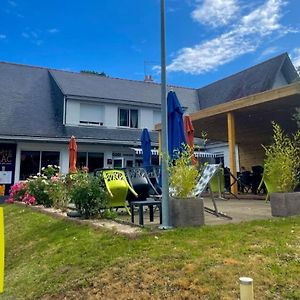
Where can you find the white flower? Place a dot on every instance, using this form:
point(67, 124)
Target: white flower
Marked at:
point(49, 166)
point(35, 177)
point(43, 168)
point(38, 174)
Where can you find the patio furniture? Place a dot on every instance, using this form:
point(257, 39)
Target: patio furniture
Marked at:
point(217, 183)
point(140, 204)
point(245, 181)
point(257, 174)
point(269, 184)
point(141, 184)
point(117, 187)
point(209, 171)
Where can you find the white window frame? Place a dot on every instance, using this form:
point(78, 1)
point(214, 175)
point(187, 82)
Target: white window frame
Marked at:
point(129, 116)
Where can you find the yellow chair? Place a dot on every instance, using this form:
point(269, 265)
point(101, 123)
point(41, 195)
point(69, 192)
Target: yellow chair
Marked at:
point(117, 187)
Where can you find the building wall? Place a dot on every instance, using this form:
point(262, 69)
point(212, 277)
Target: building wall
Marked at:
point(251, 155)
point(222, 149)
point(110, 153)
point(146, 114)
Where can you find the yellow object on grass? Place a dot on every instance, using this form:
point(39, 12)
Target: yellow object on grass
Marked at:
point(1, 250)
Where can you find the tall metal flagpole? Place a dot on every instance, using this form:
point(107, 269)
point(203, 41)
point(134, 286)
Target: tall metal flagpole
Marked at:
point(164, 123)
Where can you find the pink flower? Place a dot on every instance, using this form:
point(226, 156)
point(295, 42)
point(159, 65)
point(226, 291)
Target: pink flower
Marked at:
point(54, 178)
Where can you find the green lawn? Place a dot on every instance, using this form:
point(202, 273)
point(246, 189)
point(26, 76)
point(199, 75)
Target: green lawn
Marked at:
point(47, 258)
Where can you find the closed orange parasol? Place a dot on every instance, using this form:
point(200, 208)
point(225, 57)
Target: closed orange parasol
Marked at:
point(72, 154)
point(189, 135)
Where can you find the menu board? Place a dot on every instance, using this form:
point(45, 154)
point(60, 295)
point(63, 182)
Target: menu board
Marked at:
point(5, 177)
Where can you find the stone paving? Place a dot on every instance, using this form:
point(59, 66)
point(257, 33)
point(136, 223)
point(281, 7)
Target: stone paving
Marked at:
point(239, 210)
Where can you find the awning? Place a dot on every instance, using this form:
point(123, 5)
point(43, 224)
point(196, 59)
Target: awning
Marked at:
point(139, 151)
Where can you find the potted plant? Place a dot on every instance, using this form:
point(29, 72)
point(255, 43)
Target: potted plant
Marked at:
point(281, 172)
point(185, 209)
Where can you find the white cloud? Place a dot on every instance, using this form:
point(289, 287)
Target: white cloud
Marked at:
point(296, 57)
point(53, 30)
point(245, 37)
point(268, 51)
point(25, 35)
point(12, 3)
point(2, 36)
point(215, 12)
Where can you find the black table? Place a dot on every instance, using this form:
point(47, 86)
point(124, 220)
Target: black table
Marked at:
point(140, 204)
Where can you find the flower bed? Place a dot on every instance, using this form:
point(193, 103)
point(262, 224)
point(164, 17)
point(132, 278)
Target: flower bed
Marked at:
point(50, 188)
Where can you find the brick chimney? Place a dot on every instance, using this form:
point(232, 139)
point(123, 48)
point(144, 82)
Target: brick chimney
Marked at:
point(148, 78)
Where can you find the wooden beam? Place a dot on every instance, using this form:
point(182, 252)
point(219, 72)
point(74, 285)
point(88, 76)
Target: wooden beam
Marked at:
point(248, 101)
point(232, 156)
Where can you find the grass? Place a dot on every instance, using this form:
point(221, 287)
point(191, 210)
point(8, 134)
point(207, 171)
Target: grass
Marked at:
point(47, 258)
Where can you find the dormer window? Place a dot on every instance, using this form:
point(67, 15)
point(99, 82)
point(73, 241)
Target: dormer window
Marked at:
point(91, 114)
point(128, 118)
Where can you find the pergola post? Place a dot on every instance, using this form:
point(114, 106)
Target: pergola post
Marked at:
point(232, 158)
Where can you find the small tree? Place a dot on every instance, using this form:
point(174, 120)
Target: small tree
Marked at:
point(282, 161)
point(94, 73)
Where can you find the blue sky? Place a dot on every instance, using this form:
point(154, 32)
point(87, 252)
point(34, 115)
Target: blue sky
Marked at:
point(206, 39)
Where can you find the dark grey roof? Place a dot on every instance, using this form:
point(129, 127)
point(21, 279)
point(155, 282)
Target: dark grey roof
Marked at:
point(256, 79)
point(86, 85)
point(31, 98)
point(32, 105)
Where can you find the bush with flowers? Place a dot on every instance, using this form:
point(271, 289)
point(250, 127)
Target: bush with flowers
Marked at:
point(50, 170)
point(19, 192)
point(87, 193)
point(58, 192)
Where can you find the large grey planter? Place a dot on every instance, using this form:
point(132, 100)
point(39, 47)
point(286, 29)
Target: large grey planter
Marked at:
point(285, 204)
point(186, 212)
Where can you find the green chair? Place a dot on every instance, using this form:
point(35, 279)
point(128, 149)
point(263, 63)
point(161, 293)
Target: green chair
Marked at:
point(217, 183)
point(270, 183)
point(117, 187)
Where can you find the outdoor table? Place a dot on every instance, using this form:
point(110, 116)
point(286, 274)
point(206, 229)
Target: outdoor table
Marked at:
point(140, 204)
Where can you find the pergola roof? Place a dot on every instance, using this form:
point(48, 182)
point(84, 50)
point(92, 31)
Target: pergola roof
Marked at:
point(253, 115)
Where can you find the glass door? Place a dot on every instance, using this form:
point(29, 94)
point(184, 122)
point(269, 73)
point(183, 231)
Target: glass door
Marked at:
point(118, 162)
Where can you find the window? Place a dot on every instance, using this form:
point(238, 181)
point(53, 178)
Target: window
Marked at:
point(128, 118)
point(33, 161)
point(91, 114)
point(30, 164)
point(49, 158)
point(91, 160)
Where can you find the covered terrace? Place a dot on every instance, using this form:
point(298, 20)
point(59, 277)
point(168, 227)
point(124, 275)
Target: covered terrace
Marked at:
point(247, 123)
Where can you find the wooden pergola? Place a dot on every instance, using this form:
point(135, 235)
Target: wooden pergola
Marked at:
point(247, 123)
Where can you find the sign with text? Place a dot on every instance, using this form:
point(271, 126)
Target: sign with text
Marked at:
point(5, 177)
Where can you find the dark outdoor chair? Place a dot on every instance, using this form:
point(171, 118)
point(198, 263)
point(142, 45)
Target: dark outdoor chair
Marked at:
point(142, 185)
point(245, 181)
point(257, 174)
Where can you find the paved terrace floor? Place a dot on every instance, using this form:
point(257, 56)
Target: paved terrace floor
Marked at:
point(239, 210)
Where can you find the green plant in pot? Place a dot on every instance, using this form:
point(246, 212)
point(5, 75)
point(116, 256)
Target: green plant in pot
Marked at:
point(281, 170)
point(185, 209)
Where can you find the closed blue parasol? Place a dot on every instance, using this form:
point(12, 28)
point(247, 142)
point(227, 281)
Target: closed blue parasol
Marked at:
point(176, 137)
point(146, 147)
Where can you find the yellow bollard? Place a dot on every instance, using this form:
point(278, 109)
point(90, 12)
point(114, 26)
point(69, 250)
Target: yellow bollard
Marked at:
point(246, 288)
point(1, 250)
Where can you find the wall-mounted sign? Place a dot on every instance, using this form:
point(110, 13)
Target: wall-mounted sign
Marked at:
point(5, 177)
point(6, 156)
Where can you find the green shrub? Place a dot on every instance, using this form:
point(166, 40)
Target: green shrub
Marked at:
point(282, 161)
point(37, 187)
point(183, 175)
point(58, 192)
point(87, 193)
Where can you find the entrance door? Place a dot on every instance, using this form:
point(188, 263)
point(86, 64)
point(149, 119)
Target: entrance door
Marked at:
point(118, 163)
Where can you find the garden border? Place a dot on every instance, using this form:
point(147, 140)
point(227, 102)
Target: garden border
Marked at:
point(124, 228)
